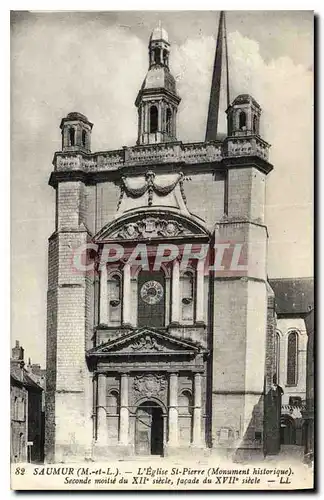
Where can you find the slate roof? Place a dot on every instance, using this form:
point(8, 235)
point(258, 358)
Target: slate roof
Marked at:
point(293, 295)
point(21, 377)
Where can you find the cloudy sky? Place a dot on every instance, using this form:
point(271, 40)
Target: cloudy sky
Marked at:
point(94, 63)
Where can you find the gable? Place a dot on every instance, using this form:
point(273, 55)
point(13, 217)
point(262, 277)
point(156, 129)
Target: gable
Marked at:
point(146, 341)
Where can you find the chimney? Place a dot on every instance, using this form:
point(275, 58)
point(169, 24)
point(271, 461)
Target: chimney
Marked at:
point(18, 352)
point(36, 370)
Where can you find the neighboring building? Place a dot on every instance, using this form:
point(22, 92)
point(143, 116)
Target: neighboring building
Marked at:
point(166, 361)
point(310, 394)
point(39, 375)
point(26, 411)
point(294, 299)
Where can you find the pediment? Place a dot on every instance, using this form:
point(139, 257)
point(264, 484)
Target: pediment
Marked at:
point(148, 224)
point(146, 341)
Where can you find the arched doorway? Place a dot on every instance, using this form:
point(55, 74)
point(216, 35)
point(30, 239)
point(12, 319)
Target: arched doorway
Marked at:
point(149, 429)
point(287, 430)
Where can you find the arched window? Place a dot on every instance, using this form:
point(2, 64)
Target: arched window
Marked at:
point(230, 124)
point(72, 136)
point(156, 55)
point(114, 298)
point(113, 403)
point(15, 411)
point(169, 121)
point(165, 57)
point(153, 119)
point(242, 120)
point(187, 284)
point(255, 124)
point(292, 352)
point(277, 357)
point(185, 403)
point(84, 138)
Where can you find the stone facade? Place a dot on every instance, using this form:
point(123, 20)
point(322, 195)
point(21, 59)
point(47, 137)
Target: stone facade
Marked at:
point(160, 361)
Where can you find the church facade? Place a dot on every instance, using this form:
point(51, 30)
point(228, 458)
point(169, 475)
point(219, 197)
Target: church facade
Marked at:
point(161, 321)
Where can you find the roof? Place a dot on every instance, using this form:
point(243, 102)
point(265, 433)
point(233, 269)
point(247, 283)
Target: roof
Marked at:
point(293, 295)
point(159, 77)
point(75, 116)
point(21, 377)
point(245, 99)
point(159, 33)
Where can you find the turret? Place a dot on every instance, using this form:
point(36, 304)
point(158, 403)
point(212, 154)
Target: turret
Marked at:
point(76, 133)
point(243, 116)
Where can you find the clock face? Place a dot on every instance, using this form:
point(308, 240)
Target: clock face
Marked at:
point(152, 292)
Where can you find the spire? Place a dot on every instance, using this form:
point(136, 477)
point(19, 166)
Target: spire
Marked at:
point(213, 109)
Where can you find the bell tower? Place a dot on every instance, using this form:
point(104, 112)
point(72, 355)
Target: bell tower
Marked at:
point(157, 101)
point(76, 133)
point(243, 116)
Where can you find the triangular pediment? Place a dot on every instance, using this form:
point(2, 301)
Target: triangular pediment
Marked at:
point(146, 341)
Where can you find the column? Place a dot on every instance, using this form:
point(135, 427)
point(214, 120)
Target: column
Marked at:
point(200, 292)
point(160, 111)
point(173, 409)
point(101, 409)
point(196, 435)
point(147, 123)
point(103, 295)
point(123, 416)
point(142, 130)
point(126, 295)
point(175, 305)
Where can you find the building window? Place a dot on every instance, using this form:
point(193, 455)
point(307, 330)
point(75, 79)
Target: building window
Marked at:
point(255, 124)
point(165, 57)
point(153, 119)
point(277, 357)
point(156, 55)
point(185, 403)
point(84, 138)
point(292, 351)
point(72, 136)
point(187, 284)
point(114, 298)
point(15, 409)
point(230, 124)
point(169, 121)
point(242, 120)
point(113, 403)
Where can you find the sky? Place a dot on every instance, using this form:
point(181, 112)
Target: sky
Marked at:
point(95, 62)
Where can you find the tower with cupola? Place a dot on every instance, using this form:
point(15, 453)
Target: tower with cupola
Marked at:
point(157, 101)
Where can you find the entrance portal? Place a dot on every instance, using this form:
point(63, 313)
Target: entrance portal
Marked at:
point(149, 429)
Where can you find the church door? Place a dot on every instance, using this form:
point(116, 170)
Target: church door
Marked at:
point(151, 299)
point(149, 429)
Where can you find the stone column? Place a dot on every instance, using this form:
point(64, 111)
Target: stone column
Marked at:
point(101, 409)
point(147, 123)
point(174, 122)
point(173, 410)
point(124, 414)
point(103, 313)
point(127, 295)
point(175, 305)
point(160, 111)
point(196, 435)
point(200, 292)
point(142, 118)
